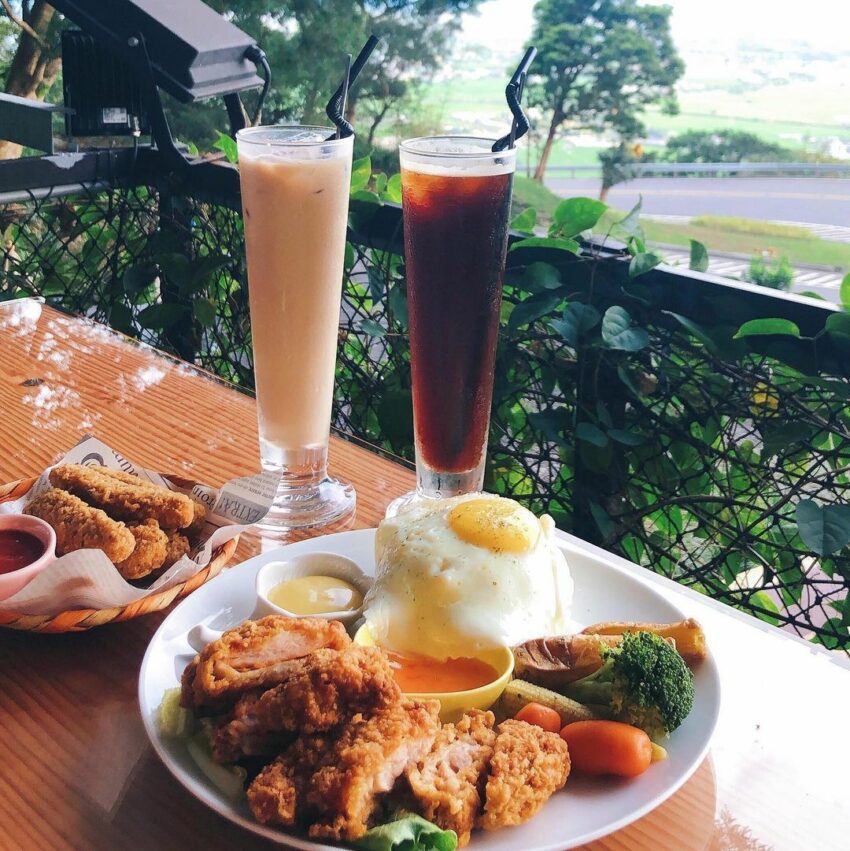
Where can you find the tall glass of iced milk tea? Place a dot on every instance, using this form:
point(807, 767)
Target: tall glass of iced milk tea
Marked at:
point(295, 185)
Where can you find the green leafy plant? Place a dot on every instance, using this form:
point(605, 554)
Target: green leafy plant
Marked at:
point(227, 145)
point(692, 444)
point(776, 274)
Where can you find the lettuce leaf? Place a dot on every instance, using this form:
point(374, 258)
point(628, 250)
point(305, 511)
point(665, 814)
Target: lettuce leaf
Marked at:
point(228, 779)
point(172, 719)
point(408, 833)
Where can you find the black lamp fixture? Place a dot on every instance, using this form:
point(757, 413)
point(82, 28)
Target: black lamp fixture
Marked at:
point(193, 51)
point(130, 49)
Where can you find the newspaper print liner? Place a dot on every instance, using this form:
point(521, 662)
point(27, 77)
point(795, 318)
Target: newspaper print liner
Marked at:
point(83, 589)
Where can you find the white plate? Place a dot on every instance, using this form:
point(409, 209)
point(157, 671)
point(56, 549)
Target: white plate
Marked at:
point(586, 809)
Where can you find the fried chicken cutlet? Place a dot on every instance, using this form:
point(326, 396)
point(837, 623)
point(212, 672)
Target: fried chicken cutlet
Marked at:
point(447, 786)
point(242, 735)
point(123, 499)
point(528, 766)
point(366, 760)
point(330, 782)
point(277, 793)
point(79, 526)
point(321, 691)
point(254, 655)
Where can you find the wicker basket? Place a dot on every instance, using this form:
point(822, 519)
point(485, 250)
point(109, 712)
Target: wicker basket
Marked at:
point(78, 620)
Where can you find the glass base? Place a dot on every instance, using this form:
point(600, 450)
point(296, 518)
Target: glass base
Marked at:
point(403, 502)
point(431, 485)
point(309, 506)
point(439, 485)
point(411, 498)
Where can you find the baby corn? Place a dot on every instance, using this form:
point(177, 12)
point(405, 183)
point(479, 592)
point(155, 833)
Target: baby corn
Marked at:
point(518, 693)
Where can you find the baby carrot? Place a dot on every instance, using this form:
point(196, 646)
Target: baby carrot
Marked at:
point(542, 716)
point(607, 747)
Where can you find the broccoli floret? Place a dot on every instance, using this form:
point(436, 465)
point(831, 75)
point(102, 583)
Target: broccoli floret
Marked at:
point(643, 682)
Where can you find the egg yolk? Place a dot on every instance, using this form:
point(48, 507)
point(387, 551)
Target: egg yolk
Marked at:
point(423, 675)
point(499, 525)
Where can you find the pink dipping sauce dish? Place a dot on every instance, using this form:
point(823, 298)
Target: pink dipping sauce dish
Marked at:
point(27, 546)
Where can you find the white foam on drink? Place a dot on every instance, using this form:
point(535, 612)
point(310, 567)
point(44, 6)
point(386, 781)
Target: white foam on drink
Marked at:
point(458, 168)
point(305, 136)
point(290, 144)
point(286, 156)
point(456, 157)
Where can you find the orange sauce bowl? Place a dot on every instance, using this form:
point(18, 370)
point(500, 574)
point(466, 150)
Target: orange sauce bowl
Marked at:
point(454, 703)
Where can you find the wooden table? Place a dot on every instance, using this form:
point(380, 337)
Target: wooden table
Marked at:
point(76, 770)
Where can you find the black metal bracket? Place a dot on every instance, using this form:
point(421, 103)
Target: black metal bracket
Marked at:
point(235, 112)
point(28, 122)
point(173, 157)
point(140, 60)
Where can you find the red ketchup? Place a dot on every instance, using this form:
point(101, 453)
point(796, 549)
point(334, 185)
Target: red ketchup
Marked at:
point(18, 549)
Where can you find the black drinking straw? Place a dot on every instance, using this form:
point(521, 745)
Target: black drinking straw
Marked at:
point(513, 95)
point(346, 82)
point(335, 110)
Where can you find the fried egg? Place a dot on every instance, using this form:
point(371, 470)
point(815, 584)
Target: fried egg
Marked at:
point(455, 576)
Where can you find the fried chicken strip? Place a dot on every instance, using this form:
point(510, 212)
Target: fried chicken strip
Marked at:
point(255, 654)
point(323, 690)
point(149, 552)
point(122, 499)
point(447, 786)
point(121, 476)
point(528, 766)
point(79, 526)
point(199, 519)
point(199, 510)
point(176, 547)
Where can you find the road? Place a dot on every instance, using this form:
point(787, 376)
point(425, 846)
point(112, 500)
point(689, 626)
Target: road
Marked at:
point(793, 199)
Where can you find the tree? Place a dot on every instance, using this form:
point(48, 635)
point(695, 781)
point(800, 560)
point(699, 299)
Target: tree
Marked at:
point(305, 41)
point(8, 43)
point(618, 164)
point(36, 63)
point(599, 64)
point(415, 40)
point(724, 146)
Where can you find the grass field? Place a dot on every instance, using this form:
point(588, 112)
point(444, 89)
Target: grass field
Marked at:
point(530, 193)
point(477, 106)
point(717, 233)
point(773, 130)
point(752, 226)
point(819, 103)
point(811, 250)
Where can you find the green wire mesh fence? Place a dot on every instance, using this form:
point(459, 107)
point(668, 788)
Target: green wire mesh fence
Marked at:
point(687, 457)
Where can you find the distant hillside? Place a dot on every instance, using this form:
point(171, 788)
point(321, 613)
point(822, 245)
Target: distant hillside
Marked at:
point(794, 95)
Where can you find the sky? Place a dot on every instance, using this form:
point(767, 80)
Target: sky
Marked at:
point(504, 25)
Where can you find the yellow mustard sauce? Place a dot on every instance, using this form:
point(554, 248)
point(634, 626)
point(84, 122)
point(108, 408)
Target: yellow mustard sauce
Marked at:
point(315, 595)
